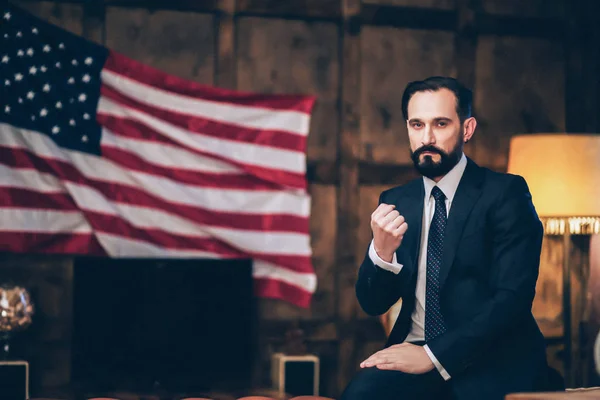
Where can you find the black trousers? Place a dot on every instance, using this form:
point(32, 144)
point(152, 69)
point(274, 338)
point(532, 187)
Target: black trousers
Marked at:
point(376, 384)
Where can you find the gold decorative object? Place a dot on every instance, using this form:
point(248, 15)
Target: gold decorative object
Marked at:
point(562, 171)
point(16, 311)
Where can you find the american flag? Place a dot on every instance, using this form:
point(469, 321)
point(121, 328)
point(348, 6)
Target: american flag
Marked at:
point(102, 155)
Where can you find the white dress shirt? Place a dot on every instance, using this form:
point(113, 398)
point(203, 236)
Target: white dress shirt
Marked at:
point(448, 185)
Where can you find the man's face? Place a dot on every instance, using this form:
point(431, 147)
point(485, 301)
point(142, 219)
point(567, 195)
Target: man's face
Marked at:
point(435, 133)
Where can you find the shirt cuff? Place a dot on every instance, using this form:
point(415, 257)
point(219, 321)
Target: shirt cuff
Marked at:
point(392, 267)
point(437, 364)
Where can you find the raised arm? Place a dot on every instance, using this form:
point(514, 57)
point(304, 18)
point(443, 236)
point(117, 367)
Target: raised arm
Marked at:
point(382, 280)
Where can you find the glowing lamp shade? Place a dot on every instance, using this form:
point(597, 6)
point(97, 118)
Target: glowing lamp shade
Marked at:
point(563, 174)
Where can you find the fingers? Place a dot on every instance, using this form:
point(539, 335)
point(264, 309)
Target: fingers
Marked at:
point(374, 361)
point(401, 230)
point(382, 210)
point(391, 366)
point(395, 223)
point(369, 362)
point(381, 357)
point(390, 355)
point(387, 218)
point(387, 222)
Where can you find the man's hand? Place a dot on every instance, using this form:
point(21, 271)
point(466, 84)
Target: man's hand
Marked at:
point(405, 357)
point(388, 228)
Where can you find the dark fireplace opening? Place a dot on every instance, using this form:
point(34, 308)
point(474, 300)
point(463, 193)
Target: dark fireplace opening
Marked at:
point(169, 324)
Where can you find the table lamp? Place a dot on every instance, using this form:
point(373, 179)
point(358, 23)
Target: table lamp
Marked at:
point(563, 174)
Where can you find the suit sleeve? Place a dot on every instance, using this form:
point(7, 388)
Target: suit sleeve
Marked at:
point(517, 240)
point(377, 287)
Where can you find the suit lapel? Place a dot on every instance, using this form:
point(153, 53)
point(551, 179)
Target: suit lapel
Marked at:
point(467, 194)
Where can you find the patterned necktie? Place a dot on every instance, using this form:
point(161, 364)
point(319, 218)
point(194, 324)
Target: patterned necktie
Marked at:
point(434, 323)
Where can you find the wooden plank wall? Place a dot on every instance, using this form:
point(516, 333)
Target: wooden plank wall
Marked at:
point(532, 65)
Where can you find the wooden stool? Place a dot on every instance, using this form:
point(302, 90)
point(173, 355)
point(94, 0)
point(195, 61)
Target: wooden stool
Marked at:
point(197, 398)
point(264, 393)
point(311, 398)
point(255, 398)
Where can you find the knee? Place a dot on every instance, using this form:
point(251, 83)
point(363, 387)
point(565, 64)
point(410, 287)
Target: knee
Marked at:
point(359, 388)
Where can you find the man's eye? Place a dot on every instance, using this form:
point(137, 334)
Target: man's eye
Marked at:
point(442, 123)
point(417, 125)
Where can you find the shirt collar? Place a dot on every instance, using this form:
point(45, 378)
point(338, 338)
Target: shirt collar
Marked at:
point(449, 183)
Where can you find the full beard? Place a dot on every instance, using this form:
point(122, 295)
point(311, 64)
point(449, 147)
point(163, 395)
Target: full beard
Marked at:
point(426, 166)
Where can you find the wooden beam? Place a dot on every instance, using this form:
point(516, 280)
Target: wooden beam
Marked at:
point(370, 14)
point(94, 18)
point(348, 191)
point(408, 17)
point(225, 61)
point(177, 5)
point(381, 174)
point(314, 330)
point(296, 9)
point(466, 41)
point(327, 173)
point(323, 172)
point(369, 173)
point(505, 25)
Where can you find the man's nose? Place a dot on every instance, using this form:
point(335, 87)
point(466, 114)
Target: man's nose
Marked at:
point(428, 136)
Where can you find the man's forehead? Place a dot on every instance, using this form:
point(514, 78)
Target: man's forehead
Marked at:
point(430, 105)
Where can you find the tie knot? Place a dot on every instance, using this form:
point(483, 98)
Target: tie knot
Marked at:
point(437, 193)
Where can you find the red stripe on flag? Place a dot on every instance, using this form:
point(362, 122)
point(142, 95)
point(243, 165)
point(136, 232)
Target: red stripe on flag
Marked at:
point(11, 197)
point(139, 131)
point(150, 76)
point(215, 180)
point(50, 243)
point(23, 159)
point(275, 289)
point(117, 226)
point(28, 199)
point(221, 130)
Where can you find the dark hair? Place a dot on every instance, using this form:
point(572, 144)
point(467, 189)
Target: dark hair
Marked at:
point(464, 96)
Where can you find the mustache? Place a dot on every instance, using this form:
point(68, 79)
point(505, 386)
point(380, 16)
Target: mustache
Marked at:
point(429, 148)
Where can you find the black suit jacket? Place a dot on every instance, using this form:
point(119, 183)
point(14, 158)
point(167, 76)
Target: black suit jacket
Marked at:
point(489, 270)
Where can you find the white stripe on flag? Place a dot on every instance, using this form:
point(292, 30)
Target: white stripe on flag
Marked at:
point(245, 116)
point(166, 155)
point(100, 169)
point(238, 152)
point(49, 221)
point(284, 243)
point(30, 179)
point(263, 269)
point(86, 198)
point(119, 246)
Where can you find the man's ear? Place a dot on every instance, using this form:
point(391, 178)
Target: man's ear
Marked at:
point(469, 128)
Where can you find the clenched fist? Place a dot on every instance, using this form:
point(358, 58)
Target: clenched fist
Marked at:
point(388, 228)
